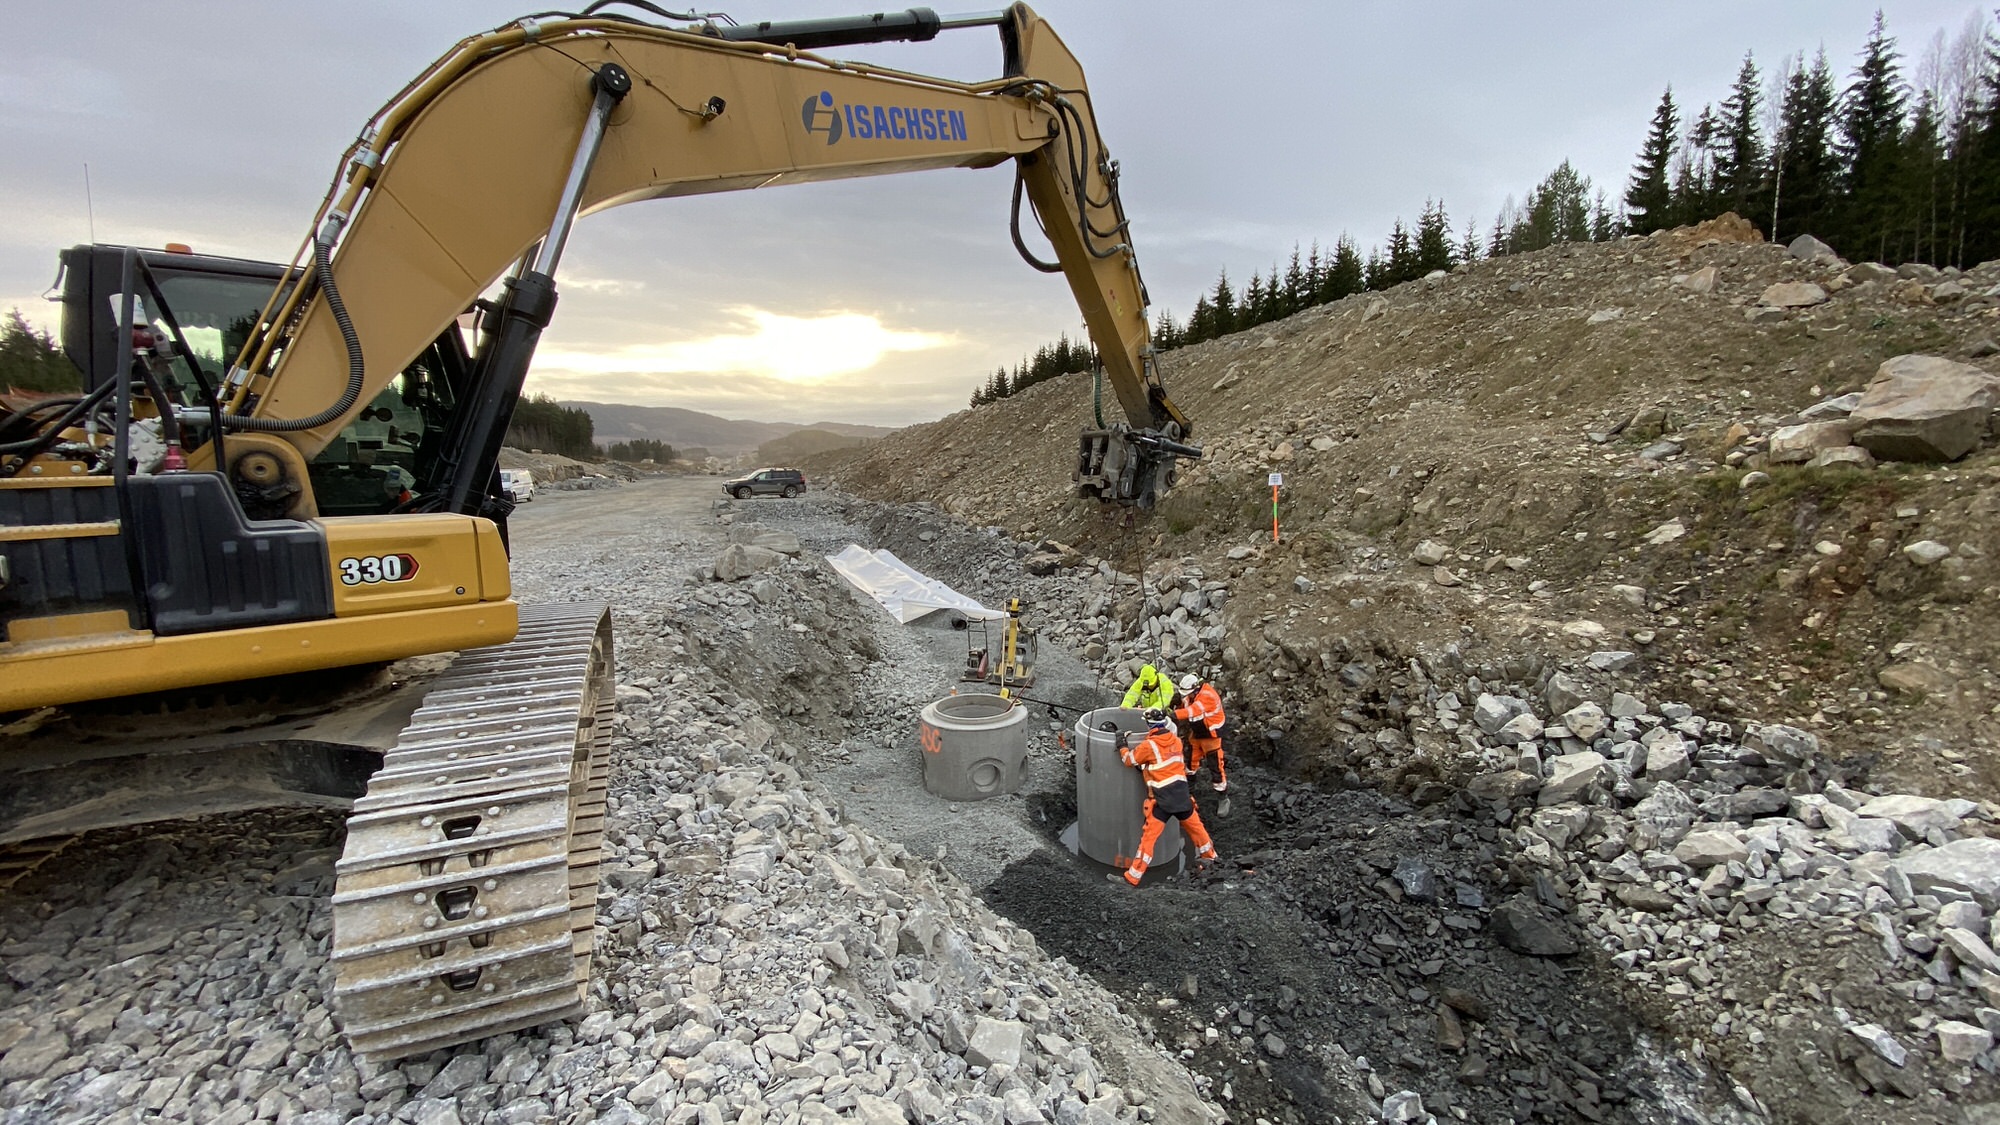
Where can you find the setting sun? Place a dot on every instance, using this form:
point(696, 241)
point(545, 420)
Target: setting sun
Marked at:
point(791, 348)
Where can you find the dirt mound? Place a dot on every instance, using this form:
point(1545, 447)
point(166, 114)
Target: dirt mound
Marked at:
point(550, 468)
point(1562, 439)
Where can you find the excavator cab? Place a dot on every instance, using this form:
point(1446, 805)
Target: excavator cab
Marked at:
point(204, 310)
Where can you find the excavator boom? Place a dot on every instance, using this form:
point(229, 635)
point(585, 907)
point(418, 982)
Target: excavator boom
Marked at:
point(480, 166)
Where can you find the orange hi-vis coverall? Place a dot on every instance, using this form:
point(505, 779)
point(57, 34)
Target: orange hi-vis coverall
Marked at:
point(1203, 715)
point(1159, 761)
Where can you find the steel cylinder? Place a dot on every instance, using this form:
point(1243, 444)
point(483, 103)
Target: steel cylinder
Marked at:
point(975, 746)
point(1111, 796)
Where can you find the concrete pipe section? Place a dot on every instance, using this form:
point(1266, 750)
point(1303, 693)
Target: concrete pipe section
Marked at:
point(1111, 796)
point(975, 746)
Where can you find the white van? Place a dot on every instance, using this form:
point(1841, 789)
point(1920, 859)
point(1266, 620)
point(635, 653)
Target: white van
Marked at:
point(519, 484)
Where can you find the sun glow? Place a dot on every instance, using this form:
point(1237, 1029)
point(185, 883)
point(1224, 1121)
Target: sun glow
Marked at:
point(797, 349)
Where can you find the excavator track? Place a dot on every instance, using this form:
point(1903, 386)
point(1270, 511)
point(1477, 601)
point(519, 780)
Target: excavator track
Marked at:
point(18, 861)
point(465, 901)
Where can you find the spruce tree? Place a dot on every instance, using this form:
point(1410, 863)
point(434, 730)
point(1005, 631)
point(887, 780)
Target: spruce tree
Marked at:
point(1694, 172)
point(1923, 214)
point(1434, 249)
point(1468, 248)
point(1869, 147)
point(1805, 167)
point(1250, 308)
point(1292, 297)
point(1648, 197)
point(1740, 157)
point(1347, 275)
point(1201, 322)
point(1602, 227)
point(1222, 303)
point(1981, 154)
point(1401, 262)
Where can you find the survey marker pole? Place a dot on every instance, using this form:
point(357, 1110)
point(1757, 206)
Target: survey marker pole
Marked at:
point(1277, 482)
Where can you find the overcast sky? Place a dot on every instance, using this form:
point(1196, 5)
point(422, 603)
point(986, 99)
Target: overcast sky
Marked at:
point(1242, 128)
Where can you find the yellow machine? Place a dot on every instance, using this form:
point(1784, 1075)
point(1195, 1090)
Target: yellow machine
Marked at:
point(1008, 663)
point(273, 472)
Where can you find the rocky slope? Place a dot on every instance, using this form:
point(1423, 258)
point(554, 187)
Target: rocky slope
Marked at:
point(1545, 454)
point(1573, 867)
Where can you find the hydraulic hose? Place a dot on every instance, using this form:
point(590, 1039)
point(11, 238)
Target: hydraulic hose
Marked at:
point(356, 372)
point(28, 449)
point(1014, 228)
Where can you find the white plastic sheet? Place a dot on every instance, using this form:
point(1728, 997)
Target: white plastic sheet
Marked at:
point(906, 592)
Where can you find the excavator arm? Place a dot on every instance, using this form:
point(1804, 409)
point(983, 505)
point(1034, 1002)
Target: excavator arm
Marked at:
point(477, 170)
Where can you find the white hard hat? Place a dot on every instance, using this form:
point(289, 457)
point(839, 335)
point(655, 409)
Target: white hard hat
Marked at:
point(1190, 682)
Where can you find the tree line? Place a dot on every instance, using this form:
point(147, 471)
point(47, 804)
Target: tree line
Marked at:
point(1889, 167)
point(31, 360)
point(544, 424)
point(1564, 207)
point(641, 449)
point(1064, 357)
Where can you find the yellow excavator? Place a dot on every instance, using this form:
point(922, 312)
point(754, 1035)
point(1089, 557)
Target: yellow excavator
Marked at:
point(234, 563)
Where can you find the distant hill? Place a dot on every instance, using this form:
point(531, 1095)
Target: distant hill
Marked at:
point(801, 444)
point(688, 429)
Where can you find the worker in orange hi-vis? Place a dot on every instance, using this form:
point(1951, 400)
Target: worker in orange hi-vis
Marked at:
point(1159, 760)
point(1199, 707)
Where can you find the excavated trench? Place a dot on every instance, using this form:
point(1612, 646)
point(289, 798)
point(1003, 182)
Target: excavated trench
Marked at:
point(1342, 949)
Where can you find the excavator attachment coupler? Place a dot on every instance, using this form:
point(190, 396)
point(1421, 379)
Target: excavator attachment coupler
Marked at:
point(1121, 465)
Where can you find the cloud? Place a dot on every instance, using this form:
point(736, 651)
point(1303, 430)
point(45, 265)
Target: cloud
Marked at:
point(610, 286)
point(768, 345)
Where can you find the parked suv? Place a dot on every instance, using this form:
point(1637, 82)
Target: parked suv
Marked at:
point(767, 482)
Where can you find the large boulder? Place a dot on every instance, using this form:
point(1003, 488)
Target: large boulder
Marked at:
point(1798, 444)
point(1565, 692)
point(739, 561)
point(1571, 778)
point(1916, 816)
point(769, 538)
point(1503, 786)
point(1784, 745)
point(1491, 712)
point(1668, 812)
point(1971, 866)
point(1703, 850)
point(1924, 408)
point(1526, 926)
point(1792, 295)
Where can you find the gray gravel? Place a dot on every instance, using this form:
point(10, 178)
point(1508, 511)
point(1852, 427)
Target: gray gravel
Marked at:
point(762, 957)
